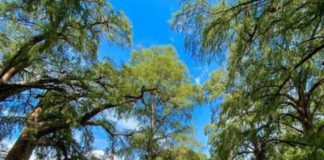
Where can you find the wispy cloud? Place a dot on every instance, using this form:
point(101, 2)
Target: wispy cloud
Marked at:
point(100, 154)
point(203, 76)
point(197, 81)
point(122, 123)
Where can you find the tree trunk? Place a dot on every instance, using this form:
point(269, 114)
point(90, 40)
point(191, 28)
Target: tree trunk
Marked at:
point(152, 128)
point(260, 156)
point(260, 151)
point(306, 116)
point(25, 144)
point(22, 149)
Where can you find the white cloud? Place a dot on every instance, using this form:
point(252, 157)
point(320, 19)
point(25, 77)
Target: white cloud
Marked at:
point(203, 76)
point(98, 153)
point(197, 80)
point(102, 155)
point(8, 143)
point(130, 123)
point(122, 123)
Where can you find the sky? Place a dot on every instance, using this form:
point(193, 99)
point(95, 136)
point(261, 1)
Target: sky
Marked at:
point(151, 26)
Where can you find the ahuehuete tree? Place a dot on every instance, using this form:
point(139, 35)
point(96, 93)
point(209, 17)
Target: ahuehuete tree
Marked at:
point(48, 48)
point(59, 117)
point(164, 112)
point(250, 27)
point(252, 121)
point(295, 106)
point(39, 38)
point(238, 131)
point(275, 56)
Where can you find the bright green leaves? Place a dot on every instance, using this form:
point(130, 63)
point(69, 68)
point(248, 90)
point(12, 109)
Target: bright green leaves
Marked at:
point(43, 34)
point(216, 84)
point(181, 153)
point(166, 107)
point(157, 67)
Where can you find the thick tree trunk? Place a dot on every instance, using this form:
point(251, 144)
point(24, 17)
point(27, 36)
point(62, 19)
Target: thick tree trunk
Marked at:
point(260, 156)
point(25, 144)
point(22, 149)
point(307, 123)
point(260, 150)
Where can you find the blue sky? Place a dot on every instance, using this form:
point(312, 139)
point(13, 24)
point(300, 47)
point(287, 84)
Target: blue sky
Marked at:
point(150, 20)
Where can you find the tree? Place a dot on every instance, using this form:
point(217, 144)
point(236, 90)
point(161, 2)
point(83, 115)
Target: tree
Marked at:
point(62, 114)
point(48, 49)
point(38, 38)
point(163, 112)
point(275, 51)
point(238, 131)
point(252, 25)
point(255, 113)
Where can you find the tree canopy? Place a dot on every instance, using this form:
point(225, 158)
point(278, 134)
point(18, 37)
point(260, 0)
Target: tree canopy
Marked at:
point(164, 112)
point(273, 88)
point(267, 102)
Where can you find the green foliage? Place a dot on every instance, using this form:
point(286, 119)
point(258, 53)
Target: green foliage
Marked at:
point(181, 153)
point(48, 57)
point(244, 27)
point(48, 61)
point(153, 78)
point(274, 85)
point(165, 110)
point(216, 84)
point(48, 39)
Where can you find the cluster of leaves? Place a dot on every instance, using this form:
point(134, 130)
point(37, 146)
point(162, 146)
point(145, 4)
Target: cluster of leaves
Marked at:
point(181, 153)
point(273, 91)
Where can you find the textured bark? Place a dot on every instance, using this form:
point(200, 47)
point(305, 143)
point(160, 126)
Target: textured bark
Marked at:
point(260, 156)
point(26, 143)
point(260, 153)
point(22, 149)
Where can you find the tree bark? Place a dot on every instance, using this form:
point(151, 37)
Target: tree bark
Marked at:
point(26, 143)
point(152, 128)
point(260, 156)
point(22, 149)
